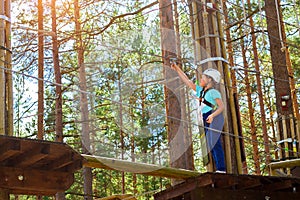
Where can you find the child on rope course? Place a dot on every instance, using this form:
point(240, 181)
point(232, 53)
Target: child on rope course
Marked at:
point(212, 107)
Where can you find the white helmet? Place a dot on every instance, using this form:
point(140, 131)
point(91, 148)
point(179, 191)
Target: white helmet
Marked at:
point(214, 74)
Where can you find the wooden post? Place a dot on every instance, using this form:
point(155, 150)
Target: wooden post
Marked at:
point(232, 97)
point(293, 135)
point(2, 71)
point(8, 59)
point(278, 138)
point(292, 85)
point(232, 88)
point(4, 195)
point(218, 39)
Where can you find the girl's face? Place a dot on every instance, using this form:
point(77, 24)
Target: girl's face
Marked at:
point(204, 80)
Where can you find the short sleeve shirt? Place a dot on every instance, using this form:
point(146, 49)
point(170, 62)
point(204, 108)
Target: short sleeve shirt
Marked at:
point(210, 96)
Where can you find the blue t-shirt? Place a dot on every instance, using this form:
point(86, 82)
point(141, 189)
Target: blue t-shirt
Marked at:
point(210, 96)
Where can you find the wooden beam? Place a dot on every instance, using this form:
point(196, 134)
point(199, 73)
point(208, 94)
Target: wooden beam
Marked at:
point(278, 185)
point(22, 181)
point(248, 184)
point(62, 161)
point(137, 168)
point(221, 194)
point(30, 155)
point(8, 149)
point(285, 164)
point(119, 197)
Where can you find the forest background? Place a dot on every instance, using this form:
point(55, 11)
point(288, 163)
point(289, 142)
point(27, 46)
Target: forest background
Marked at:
point(118, 42)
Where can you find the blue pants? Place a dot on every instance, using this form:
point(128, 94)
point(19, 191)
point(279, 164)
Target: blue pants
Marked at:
point(213, 138)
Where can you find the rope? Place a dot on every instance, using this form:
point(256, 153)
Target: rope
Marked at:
point(279, 25)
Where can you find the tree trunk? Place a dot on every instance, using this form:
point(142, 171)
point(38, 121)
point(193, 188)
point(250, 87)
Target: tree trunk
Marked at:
point(260, 93)
point(2, 72)
point(284, 105)
point(187, 136)
point(41, 70)
point(87, 172)
point(177, 149)
point(251, 112)
point(234, 94)
point(9, 79)
point(121, 128)
point(3, 193)
point(58, 91)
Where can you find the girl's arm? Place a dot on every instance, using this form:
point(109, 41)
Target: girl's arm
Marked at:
point(184, 77)
point(219, 110)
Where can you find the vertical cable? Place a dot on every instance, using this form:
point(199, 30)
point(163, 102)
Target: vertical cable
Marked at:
point(279, 25)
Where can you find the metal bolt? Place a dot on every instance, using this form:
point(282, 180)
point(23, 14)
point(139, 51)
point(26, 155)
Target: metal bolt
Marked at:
point(21, 177)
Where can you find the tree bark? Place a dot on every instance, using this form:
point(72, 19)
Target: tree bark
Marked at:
point(235, 96)
point(41, 70)
point(3, 193)
point(9, 79)
point(2, 72)
point(284, 106)
point(260, 93)
point(177, 149)
point(187, 136)
point(85, 132)
point(253, 131)
point(57, 73)
point(58, 91)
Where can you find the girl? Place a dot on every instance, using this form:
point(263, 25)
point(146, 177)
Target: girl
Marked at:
point(212, 107)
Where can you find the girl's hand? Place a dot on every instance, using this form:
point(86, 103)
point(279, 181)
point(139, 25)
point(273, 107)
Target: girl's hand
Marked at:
point(210, 118)
point(174, 66)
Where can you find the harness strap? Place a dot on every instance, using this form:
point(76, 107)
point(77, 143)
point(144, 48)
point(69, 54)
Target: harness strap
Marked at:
point(202, 95)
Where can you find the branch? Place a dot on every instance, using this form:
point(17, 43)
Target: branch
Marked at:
point(126, 14)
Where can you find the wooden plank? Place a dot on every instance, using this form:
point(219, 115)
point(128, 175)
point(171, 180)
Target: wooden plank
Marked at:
point(119, 197)
point(30, 155)
point(285, 164)
point(222, 194)
point(62, 161)
point(285, 184)
point(23, 181)
point(175, 191)
point(72, 167)
point(137, 168)
point(191, 184)
point(9, 149)
point(220, 180)
point(249, 183)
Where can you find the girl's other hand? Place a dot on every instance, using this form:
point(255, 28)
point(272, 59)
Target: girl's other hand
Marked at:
point(209, 119)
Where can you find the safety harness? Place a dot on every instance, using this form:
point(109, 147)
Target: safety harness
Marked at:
point(202, 97)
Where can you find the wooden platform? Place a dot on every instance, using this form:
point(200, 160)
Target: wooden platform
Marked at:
point(228, 186)
point(137, 168)
point(36, 166)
